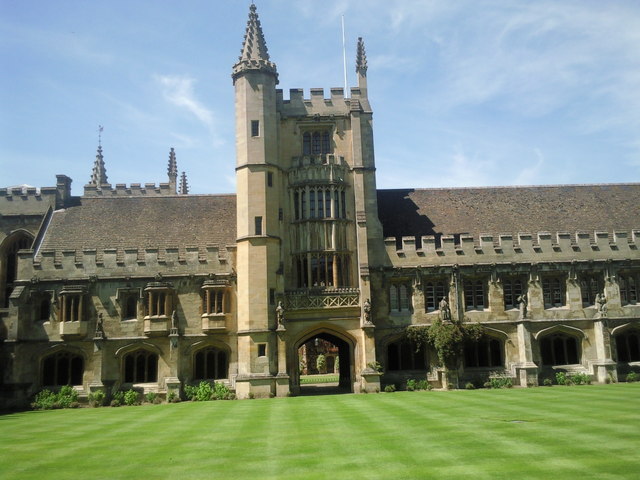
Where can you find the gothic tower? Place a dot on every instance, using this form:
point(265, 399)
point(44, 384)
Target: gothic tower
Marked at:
point(258, 178)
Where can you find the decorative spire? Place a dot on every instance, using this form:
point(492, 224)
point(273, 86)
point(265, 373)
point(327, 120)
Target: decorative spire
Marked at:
point(361, 58)
point(99, 172)
point(254, 54)
point(184, 186)
point(172, 170)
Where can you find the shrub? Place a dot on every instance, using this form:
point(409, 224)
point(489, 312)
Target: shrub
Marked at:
point(499, 381)
point(390, 388)
point(581, 379)
point(131, 397)
point(412, 385)
point(561, 378)
point(46, 399)
point(97, 398)
point(424, 385)
point(547, 382)
point(470, 386)
point(152, 397)
point(117, 399)
point(632, 377)
point(67, 396)
point(222, 392)
point(172, 397)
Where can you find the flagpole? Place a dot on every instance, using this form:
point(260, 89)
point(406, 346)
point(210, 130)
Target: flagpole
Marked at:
point(344, 62)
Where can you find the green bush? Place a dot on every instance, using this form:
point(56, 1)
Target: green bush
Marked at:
point(67, 397)
point(97, 398)
point(172, 397)
point(561, 378)
point(547, 382)
point(390, 388)
point(222, 392)
point(412, 385)
point(204, 391)
point(632, 377)
point(499, 381)
point(152, 397)
point(581, 379)
point(470, 386)
point(44, 400)
point(131, 397)
point(424, 385)
point(321, 364)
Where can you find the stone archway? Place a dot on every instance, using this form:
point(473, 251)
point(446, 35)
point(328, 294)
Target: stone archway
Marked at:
point(345, 358)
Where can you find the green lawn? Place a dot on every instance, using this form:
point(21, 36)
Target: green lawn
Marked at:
point(321, 378)
point(580, 432)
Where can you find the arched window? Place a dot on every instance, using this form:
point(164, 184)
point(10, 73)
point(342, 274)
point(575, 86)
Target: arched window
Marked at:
point(62, 368)
point(628, 346)
point(559, 349)
point(401, 355)
point(140, 366)
point(9, 264)
point(210, 364)
point(486, 352)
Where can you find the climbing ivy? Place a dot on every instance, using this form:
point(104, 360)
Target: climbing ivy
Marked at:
point(447, 338)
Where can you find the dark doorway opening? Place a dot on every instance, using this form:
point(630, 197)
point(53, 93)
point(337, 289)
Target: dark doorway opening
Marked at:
point(324, 365)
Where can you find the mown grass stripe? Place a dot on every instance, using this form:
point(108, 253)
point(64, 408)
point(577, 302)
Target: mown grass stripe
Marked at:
point(574, 432)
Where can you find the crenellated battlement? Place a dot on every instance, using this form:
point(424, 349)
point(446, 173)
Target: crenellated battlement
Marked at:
point(317, 103)
point(124, 260)
point(133, 190)
point(559, 246)
point(25, 200)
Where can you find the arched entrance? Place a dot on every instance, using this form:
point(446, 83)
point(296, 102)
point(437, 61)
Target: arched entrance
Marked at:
point(338, 359)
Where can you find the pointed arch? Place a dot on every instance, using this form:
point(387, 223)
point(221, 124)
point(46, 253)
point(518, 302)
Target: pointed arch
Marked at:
point(17, 240)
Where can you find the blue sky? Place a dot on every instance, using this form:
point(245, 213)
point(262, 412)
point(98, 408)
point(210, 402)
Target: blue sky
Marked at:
point(464, 93)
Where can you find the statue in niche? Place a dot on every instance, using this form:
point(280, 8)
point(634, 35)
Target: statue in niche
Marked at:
point(522, 305)
point(445, 311)
point(280, 314)
point(601, 303)
point(367, 311)
point(174, 321)
point(99, 327)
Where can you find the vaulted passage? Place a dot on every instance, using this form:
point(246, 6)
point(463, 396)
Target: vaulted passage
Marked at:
point(325, 367)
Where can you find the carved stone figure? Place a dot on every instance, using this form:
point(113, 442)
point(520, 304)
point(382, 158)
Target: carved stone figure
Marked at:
point(445, 311)
point(174, 321)
point(280, 314)
point(522, 304)
point(99, 327)
point(601, 303)
point(367, 311)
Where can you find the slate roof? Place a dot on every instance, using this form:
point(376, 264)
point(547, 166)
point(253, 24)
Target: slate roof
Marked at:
point(509, 210)
point(167, 221)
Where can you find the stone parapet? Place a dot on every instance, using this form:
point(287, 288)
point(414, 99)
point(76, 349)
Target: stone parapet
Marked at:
point(118, 261)
point(317, 103)
point(544, 246)
point(132, 190)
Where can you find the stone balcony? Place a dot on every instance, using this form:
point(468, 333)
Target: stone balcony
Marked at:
point(73, 329)
point(155, 326)
point(212, 323)
point(322, 298)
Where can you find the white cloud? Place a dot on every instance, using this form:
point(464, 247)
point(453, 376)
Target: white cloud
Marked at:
point(179, 91)
point(530, 175)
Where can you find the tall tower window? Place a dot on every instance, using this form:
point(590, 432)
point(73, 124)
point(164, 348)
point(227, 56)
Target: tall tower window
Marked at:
point(255, 128)
point(258, 222)
point(316, 143)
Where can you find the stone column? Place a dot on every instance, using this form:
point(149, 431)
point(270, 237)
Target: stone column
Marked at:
point(604, 367)
point(282, 379)
point(526, 369)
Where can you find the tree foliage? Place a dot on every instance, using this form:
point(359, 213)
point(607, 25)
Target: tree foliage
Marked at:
point(447, 338)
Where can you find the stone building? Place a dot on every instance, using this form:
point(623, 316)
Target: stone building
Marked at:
point(148, 287)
